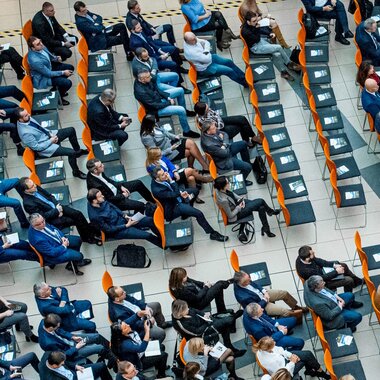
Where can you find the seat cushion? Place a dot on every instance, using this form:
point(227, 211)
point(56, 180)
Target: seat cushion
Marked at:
point(258, 272)
point(319, 74)
point(339, 352)
point(352, 195)
point(61, 194)
point(346, 168)
point(45, 101)
point(331, 119)
point(294, 187)
point(372, 263)
point(267, 92)
point(324, 97)
point(98, 83)
point(179, 233)
point(286, 162)
point(49, 172)
point(354, 368)
point(107, 151)
point(278, 138)
point(301, 213)
point(317, 53)
point(48, 120)
point(339, 144)
point(98, 63)
point(262, 71)
point(273, 114)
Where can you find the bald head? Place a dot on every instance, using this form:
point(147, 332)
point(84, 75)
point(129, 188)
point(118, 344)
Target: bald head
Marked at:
point(371, 85)
point(190, 38)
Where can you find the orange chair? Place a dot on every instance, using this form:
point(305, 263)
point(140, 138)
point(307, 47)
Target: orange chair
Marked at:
point(86, 132)
point(234, 261)
point(107, 281)
point(240, 15)
point(29, 161)
point(159, 222)
point(301, 37)
point(358, 58)
point(368, 281)
point(27, 89)
point(27, 30)
point(24, 104)
point(329, 364)
point(193, 76)
point(181, 350)
point(249, 78)
point(141, 113)
point(357, 15)
point(25, 64)
point(213, 170)
point(82, 93)
point(83, 49)
point(375, 309)
point(299, 17)
point(82, 70)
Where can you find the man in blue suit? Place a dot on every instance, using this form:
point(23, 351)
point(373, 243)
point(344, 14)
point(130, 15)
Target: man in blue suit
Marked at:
point(331, 9)
point(368, 40)
point(258, 324)
point(48, 70)
point(371, 101)
point(74, 314)
point(54, 246)
point(97, 36)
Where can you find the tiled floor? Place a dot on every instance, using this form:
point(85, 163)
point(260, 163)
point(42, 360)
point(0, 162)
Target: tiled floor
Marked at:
point(211, 258)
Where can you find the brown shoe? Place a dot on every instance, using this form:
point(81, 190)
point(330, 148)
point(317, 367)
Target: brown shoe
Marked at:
point(294, 66)
point(304, 309)
point(287, 76)
point(297, 314)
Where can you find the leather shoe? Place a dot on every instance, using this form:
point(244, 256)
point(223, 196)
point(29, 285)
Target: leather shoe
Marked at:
point(84, 262)
point(238, 353)
point(190, 113)
point(182, 70)
point(65, 102)
point(238, 314)
point(356, 305)
point(296, 314)
point(33, 338)
point(130, 56)
point(248, 183)
point(342, 40)
point(81, 152)
point(349, 34)
point(71, 269)
point(167, 325)
point(79, 174)
point(304, 309)
point(215, 235)
point(276, 211)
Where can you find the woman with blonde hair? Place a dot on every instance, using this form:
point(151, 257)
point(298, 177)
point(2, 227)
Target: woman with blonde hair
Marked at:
point(281, 374)
point(251, 5)
point(273, 357)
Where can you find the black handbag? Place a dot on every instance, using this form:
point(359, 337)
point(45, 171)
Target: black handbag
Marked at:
point(294, 55)
point(130, 256)
point(259, 170)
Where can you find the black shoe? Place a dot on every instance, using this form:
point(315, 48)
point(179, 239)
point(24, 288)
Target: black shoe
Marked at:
point(186, 90)
point(167, 325)
point(130, 56)
point(267, 232)
point(356, 305)
point(190, 113)
point(182, 70)
point(199, 201)
point(242, 237)
point(274, 212)
point(358, 281)
point(342, 40)
point(238, 314)
point(353, 329)
point(52, 266)
point(238, 353)
point(20, 76)
point(71, 269)
point(84, 262)
point(65, 102)
point(19, 329)
point(79, 174)
point(20, 150)
point(248, 183)
point(95, 240)
point(215, 235)
point(33, 338)
point(192, 134)
point(349, 34)
point(81, 152)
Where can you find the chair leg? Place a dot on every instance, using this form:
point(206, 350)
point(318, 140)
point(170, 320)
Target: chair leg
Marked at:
point(324, 178)
point(364, 123)
point(12, 274)
point(359, 100)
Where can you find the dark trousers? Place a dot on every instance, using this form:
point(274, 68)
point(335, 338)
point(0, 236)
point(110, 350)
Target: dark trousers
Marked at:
point(18, 251)
point(290, 343)
point(217, 22)
point(168, 29)
point(121, 136)
point(72, 253)
point(233, 125)
point(62, 51)
point(224, 327)
point(256, 205)
point(12, 129)
point(159, 362)
point(14, 58)
point(22, 361)
point(214, 293)
point(338, 13)
point(169, 48)
point(71, 153)
point(19, 318)
point(349, 281)
point(244, 165)
point(10, 91)
point(80, 323)
point(118, 36)
point(62, 83)
point(308, 361)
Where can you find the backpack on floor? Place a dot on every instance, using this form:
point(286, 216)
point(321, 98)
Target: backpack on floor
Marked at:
point(259, 170)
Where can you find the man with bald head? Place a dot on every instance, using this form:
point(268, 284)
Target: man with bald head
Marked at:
point(197, 51)
point(371, 100)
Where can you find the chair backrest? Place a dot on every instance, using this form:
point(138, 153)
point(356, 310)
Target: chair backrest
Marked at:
point(273, 171)
point(321, 137)
point(370, 285)
point(321, 334)
point(266, 150)
point(27, 89)
point(182, 345)
point(371, 122)
point(249, 78)
point(334, 184)
point(281, 201)
point(234, 261)
point(245, 53)
point(302, 59)
point(187, 26)
point(221, 209)
point(259, 127)
point(25, 64)
point(329, 162)
point(87, 141)
point(82, 94)
point(213, 170)
point(24, 104)
point(27, 30)
point(29, 161)
point(240, 15)
point(40, 258)
point(299, 17)
point(159, 222)
point(358, 58)
point(300, 277)
point(193, 75)
point(83, 49)
point(82, 69)
point(375, 309)
point(359, 248)
point(301, 37)
point(141, 113)
point(254, 101)
point(107, 281)
point(329, 364)
point(306, 84)
point(357, 15)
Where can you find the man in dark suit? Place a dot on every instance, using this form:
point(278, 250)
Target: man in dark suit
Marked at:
point(247, 291)
point(53, 367)
point(56, 300)
point(150, 30)
point(104, 121)
point(368, 40)
point(54, 246)
point(258, 324)
point(127, 371)
point(331, 9)
point(38, 200)
point(123, 306)
point(118, 193)
point(334, 311)
point(176, 202)
point(97, 36)
point(371, 100)
point(52, 34)
point(11, 55)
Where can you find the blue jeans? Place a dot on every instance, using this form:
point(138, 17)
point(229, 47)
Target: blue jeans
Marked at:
point(19, 251)
point(5, 186)
point(166, 79)
point(10, 91)
point(243, 165)
point(280, 58)
point(224, 66)
point(351, 317)
point(180, 112)
point(177, 93)
point(290, 343)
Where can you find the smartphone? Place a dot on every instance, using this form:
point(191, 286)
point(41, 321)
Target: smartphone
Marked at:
point(240, 200)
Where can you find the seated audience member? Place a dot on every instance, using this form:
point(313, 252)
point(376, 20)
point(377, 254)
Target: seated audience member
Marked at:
point(134, 13)
point(18, 251)
point(39, 200)
point(7, 367)
point(53, 367)
point(117, 193)
point(104, 122)
point(237, 208)
point(47, 70)
point(185, 177)
point(366, 71)
point(161, 103)
point(307, 265)
point(12, 57)
point(204, 21)
point(6, 185)
point(197, 51)
point(54, 246)
point(331, 9)
point(47, 144)
point(127, 371)
point(12, 129)
point(347, 377)
point(7, 92)
point(164, 79)
point(273, 357)
point(257, 42)
point(333, 309)
point(251, 6)
point(160, 50)
point(122, 306)
point(197, 351)
point(117, 225)
point(217, 144)
point(192, 371)
point(371, 100)
point(53, 35)
point(13, 313)
point(281, 374)
point(232, 125)
point(258, 324)
point(247, 291)
point(128, 345)
point(197, 294)
point(174, 147)
point(76, 346)
point(56, 300)
point(99, 37)
point(368, 40)
point(190, 323)
point(176, 203)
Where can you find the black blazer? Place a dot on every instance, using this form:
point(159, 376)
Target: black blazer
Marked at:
point(102, 120)
point(147, 28)
point(42, 29)
point(150, 96)
point(94, 182)
point(34, 205)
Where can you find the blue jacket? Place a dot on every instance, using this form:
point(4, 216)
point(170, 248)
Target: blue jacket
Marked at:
point(245, 296)
point(366, 44)
point(117, 311)
point(93, 32)
point(371, 103)
point(311, 7)
point(129, 350)
point(171, 168)
point(136, 41)
point(41, 69)
point(192, 10)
